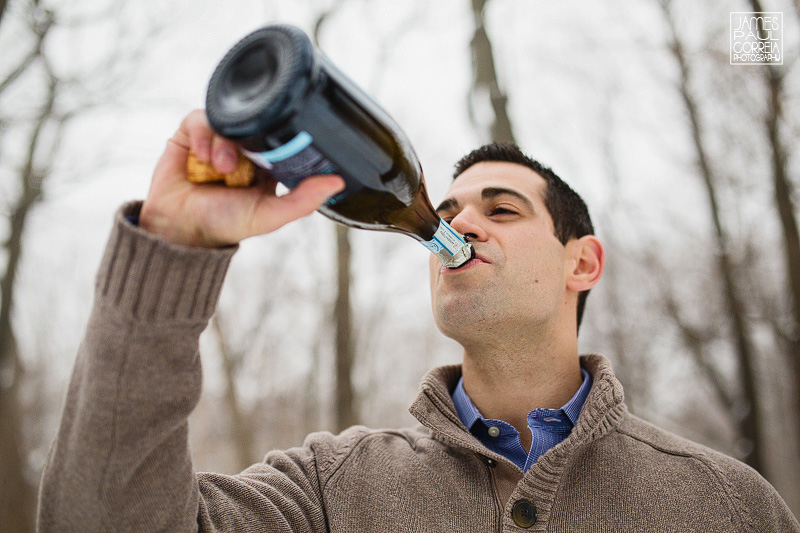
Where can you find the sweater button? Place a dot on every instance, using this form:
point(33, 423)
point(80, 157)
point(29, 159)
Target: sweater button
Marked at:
point(524, 513)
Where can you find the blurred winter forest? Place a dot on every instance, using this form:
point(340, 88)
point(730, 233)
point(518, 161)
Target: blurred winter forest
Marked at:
point(690, 166)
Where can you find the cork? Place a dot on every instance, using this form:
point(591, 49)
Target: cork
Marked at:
point(199, 172)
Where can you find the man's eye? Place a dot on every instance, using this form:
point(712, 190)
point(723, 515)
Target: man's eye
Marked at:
point(502, 211)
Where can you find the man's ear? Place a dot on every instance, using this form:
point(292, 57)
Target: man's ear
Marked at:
point(588, 259)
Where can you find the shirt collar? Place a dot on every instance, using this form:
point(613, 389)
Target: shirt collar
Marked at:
point(469, 414)
point(573, 407)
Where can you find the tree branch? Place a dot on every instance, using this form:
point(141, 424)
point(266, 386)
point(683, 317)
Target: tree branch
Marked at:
point(40, 28)
point(241, 430)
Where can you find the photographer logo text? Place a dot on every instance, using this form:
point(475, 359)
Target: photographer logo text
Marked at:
point(756, 38)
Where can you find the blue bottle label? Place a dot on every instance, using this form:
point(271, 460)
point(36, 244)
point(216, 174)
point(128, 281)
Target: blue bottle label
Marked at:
point(445, 238)
point(293, 161)
point(449, 246)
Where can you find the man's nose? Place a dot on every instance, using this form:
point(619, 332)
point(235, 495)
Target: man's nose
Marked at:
point(467, 222)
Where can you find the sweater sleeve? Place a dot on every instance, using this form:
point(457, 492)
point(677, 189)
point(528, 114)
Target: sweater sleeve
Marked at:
point(754, 499)
point(120, 460)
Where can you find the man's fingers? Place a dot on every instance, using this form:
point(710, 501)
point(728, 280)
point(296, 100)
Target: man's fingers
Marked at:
point(224, 154)
point(309, 194)
point(196, 134)
point(171, 167)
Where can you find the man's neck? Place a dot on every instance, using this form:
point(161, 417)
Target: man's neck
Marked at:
point(506, 382)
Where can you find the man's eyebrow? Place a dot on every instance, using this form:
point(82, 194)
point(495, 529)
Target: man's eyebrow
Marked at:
point(450, 204)
point(493, 192)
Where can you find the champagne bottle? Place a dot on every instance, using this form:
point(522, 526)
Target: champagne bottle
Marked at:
point(294, 113)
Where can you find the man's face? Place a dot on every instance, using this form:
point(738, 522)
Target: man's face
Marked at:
point(518, 278)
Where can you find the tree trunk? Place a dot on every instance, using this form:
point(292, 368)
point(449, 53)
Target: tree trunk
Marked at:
point(17, 501)
point(485, 82)
point(346, 411)
point(748, 417)
point(3, 6)
point(16, 494)
point(782, 187)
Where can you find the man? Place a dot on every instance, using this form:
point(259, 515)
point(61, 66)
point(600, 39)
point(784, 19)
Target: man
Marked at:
point(524, 436)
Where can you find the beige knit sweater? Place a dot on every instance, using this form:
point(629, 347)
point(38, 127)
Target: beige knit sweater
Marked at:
point(120, 461)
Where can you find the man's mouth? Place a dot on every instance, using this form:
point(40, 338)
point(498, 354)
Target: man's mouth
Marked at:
point(475, 261)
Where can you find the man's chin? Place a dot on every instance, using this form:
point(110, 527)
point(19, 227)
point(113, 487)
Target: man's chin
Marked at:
point(461, 317)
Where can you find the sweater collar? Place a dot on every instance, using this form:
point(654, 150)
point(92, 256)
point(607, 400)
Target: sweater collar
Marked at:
point(603, 407)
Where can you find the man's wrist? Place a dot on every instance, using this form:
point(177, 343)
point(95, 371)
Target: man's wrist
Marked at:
point(147, 277)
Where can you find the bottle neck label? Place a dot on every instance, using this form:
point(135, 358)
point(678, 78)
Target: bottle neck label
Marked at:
point(449, 246)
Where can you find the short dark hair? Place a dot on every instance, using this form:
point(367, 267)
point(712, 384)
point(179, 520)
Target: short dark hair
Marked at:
point(567, 209)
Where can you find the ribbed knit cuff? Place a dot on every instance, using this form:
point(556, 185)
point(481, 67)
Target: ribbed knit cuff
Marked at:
point(147, 278)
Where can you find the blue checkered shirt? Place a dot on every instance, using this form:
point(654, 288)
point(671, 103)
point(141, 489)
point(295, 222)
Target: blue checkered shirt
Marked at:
point(548, 426)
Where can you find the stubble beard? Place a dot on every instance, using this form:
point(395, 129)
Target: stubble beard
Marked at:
point(465, 315)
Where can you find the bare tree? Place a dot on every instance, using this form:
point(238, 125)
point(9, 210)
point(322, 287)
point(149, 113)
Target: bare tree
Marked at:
point(773, 78)
point(262, 407)
point(345, 400)
point(42, 123)
point(623, 340)
point(345, 407)
point(241, 431)
point(735, 311)
point(485, 83)
point(16, 492)
point(696, 338)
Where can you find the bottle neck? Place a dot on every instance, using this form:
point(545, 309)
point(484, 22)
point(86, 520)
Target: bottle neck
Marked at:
point(450, 247)
point(420, 219)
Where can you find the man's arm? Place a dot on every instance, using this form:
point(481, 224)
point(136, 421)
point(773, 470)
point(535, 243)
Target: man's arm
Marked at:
point(120, 460)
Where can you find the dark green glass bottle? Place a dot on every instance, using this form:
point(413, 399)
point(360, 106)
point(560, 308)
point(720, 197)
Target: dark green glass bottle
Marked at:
point(294, 113)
